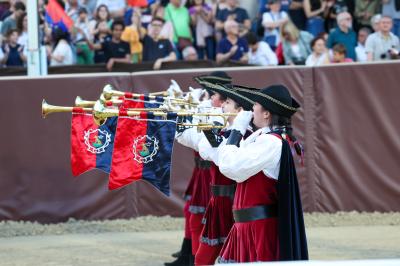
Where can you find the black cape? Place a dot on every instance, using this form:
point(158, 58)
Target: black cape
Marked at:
point(292, 235)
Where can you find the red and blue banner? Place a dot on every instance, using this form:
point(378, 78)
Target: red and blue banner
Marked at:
point(91, 144)
point(142, 150)
point(140, 3)
point(56, 16)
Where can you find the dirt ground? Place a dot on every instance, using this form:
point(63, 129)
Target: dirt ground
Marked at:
point(151, 240)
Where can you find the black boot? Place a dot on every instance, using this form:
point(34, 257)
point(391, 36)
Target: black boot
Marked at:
point(185, 258)
point(178, 253)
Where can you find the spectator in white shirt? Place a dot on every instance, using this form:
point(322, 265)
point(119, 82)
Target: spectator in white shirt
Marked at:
point(259, 52)
point(272, 21)
point(116, 7)
point(361, 53)
point(319, 55)
point(62, 53)
point(382, 45)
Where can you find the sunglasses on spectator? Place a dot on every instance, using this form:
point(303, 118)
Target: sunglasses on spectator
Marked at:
point(156, 25)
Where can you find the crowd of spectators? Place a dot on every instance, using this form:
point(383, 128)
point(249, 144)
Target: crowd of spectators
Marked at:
point(283, 32)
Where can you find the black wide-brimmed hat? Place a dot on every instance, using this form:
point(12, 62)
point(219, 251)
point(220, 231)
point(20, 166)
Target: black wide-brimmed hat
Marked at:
point(274, 98)
point(216, 77)
point(228, 91)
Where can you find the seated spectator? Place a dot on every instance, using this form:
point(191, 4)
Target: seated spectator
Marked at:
point(81, 37)
point(116, 50)
point(133, 34)
point(339, 54)
point(314, 10)
point(295, 44)
point(155, 48)
point(116, 7)
point(10, 22)
point(232, 47)
point(319, 55)
point(102, 15)
point(272, 21)
point(382, 45)
point(375, 22)
point(361, 53)
point(259, 52)
point(189, 54)
point(391, 9)
point(103, 35)
point(62, 53)
point(344, 34)
point(13, 52)
point(201, 16)
point(236, 13)
point(364, 10)
point(180, 19)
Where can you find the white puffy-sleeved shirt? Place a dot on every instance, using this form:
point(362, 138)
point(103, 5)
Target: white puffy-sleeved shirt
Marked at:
point(259, 152)
point(190, 138)
point(207, 152)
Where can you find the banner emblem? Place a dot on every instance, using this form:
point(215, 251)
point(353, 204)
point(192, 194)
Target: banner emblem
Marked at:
point(145, 148)
point(97, 140)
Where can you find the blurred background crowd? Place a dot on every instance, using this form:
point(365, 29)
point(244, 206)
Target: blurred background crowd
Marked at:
point(255, 32)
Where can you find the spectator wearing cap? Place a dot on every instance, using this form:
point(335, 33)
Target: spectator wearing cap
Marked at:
point(272, 21)
point(116, 7)
point(13, 52)
point(81, 37)
point(319, 55)
point(232, 47)
point(339, 54)
point(116, 50)
point(382, 45)
point(391, 8)
point(133, 34)
point(361, 52)
point(155, 48)
point(314, 10)
point(344, 34)
point(10, 22)
point(259, 52)
point(295, 44)
point(236, 13)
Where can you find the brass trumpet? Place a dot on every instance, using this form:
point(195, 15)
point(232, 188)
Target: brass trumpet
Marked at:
point(101, 113)
point(109, 92)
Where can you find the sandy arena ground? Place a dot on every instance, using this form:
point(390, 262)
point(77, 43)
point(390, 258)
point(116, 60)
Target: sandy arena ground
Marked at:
point(151, 240)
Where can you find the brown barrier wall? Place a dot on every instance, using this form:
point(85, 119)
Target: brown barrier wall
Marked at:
point(349, 126)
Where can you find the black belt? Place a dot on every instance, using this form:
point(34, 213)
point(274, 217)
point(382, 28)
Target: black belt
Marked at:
point(200, 163)
point(255, 213)
point(223, 190)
